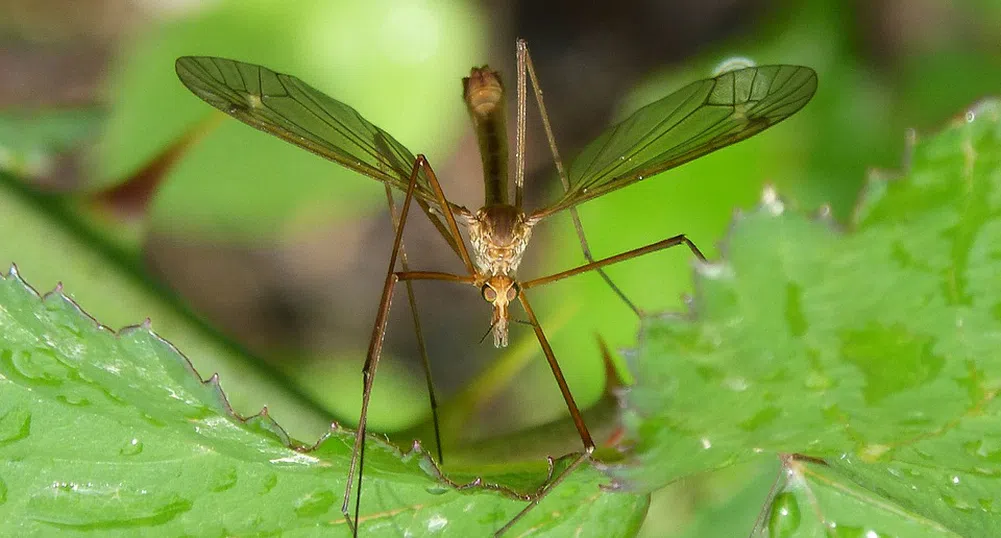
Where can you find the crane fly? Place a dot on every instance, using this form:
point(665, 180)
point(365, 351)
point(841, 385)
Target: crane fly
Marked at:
point(698, 119)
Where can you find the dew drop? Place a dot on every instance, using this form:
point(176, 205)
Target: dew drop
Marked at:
point(132, 447)
point(39, 366)
point(14, 425)
point(436, 489)
point(784, 517)
point(73, 400)
point(153, 421)
point(114, 398)
point(970, 116)
point(199, 412)
point(873, 452)
point(769, 195)
point(69, 327)
point(989, 472)
point(736, 384)
point(955, 480)
point(957, 504)
point(912, 472)
point(706, 443)
point(223, 480)
point(269, 483)
point(314, 504)
point(436, 523)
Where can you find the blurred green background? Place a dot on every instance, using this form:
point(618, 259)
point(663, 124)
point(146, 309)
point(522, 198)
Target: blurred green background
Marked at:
point(281, 255)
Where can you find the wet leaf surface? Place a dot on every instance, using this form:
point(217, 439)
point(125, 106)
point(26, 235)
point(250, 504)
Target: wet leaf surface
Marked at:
point(117, 433)
point(874, 349)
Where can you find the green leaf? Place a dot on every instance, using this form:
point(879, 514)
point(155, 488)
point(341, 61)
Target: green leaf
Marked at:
point(875, 350)
point(722, 503)
point(117, 433)
point(52, 245)
point(847, 508)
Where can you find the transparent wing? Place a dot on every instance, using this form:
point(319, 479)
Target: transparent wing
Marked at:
point(294, 111)
point(698, 119)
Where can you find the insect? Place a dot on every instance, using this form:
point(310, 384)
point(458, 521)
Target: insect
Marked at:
point(701, 117)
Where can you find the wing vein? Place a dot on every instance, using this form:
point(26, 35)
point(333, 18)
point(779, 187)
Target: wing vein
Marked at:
point(700, 118)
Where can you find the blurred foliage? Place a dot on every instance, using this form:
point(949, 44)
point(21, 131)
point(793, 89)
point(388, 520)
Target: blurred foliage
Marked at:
point(51, 248)
point(32, 137)
point(394, 62)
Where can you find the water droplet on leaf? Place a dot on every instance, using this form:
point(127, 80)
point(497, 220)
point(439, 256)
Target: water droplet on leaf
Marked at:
point(132, 447)
point(783, 521)
point(437, 489)
point(223, 480)
point(15, 425)
point(314, 504)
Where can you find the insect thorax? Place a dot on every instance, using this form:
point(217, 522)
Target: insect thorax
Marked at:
point(499, 235)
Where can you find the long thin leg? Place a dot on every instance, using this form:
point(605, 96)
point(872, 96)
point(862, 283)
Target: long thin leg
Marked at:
point(550, 486)
point(596, 265)
point(578, 421)
point(575, 414)
point(422, 346)
point(372, 359)
point(520, 130)
point(435, 275)
point(525, 65)
point(379, 329)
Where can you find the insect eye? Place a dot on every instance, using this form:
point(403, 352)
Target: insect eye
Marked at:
point(512, 292)
point(489, 293)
